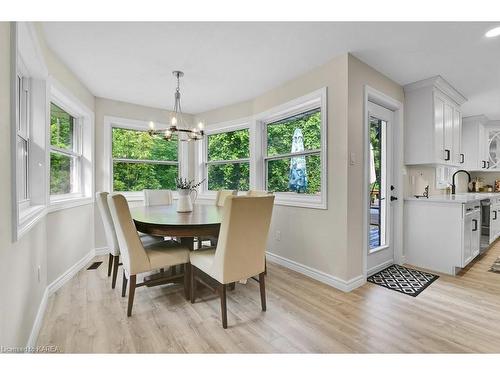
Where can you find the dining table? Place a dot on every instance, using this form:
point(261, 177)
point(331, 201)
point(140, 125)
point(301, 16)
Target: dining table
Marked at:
point(164, 220)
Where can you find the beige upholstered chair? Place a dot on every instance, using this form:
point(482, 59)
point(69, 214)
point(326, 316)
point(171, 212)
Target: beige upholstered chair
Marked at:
point(240, 251)
point(257, 193)
point(157, 197)
point(222, 195)
point(135, 257)
point(111, 240)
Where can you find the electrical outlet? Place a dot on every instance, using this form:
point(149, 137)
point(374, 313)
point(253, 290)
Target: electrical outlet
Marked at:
point(278, 235)
point(39, 273)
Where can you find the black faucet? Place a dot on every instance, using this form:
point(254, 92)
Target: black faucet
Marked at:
point(453, 180)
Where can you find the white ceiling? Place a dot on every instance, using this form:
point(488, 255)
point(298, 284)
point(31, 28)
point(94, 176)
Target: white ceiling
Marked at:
point(227, 63)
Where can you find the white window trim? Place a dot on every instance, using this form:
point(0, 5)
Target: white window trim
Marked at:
point(258, 148)
point(202, 152)
point(119, 122)
point(27, 59)
point(84, 126)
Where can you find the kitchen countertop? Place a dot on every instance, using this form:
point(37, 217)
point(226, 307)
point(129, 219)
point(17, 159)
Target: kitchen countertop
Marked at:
point(454, 198)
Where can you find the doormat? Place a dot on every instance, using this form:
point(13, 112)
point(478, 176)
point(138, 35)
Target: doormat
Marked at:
point(495, 267)
point(94, 266)
point(403, 280)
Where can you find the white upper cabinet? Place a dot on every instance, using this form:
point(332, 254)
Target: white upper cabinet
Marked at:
point(433, 123)
point(476, 145)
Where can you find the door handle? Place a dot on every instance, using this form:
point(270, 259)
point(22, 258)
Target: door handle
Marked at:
point(393, 198)
point(475, 225)
point(462, 158)
point(447, 156)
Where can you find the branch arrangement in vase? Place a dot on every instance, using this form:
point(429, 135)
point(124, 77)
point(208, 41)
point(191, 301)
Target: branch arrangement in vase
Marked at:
point(184, 183)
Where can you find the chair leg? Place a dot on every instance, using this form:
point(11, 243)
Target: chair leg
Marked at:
point(187, 280)
point(116, 261)
point(131, 293)
point(223, 304)
point(192, 286)
point(199, 244)
point(232, 286)
point(110, 264)
point(124, 284)
point(262, 285)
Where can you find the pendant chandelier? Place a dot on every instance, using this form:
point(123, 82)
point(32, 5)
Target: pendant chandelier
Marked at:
point(177, 122)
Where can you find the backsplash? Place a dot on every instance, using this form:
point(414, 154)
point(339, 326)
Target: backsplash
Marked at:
point(417, 177)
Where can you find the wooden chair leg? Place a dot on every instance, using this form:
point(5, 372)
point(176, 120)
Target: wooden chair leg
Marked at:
point(192, 284)
point(131, 293)
point(200, 244)
point(116, 261)
point(223, 304)
point(262, 284)
point(124, 284)
point(187, 280)
point(110, 264)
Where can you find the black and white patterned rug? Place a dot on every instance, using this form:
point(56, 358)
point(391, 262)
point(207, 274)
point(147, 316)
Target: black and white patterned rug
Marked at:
point(403, 280)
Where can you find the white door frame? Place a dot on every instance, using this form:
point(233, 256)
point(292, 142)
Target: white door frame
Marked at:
point(377, 97)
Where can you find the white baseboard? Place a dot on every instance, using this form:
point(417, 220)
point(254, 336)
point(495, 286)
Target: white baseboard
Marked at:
point(343, 285)
point(53, 287)
point(37, 325)
point(380, 267)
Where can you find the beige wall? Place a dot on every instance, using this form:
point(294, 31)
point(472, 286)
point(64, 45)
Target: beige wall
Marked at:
point(50, 244)
point(360, 74)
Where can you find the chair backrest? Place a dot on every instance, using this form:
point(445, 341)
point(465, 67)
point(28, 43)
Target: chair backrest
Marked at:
point(134, 257)
point(107, 221)
point(222, 195)
point(157, 197)
point(257, 193)
point(242, 238)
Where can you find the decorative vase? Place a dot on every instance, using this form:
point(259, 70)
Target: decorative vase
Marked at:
point(186, 199)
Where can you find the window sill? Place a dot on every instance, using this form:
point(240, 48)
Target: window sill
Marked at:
point(299, 200)
point(68, 202)
point(28, 217)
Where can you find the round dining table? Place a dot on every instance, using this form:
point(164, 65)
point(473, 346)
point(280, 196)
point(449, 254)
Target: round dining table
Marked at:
point(164, 220)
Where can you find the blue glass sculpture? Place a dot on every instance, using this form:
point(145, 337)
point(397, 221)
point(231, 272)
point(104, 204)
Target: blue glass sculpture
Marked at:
point(297, 180)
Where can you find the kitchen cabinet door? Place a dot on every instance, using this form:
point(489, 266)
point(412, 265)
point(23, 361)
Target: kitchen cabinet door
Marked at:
point(449, 150)
point(467, 250)
point(476, 235)
point(458, 154)
point(439, 129)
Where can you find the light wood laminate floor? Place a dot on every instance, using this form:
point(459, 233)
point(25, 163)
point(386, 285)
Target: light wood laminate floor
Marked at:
point(455, 314)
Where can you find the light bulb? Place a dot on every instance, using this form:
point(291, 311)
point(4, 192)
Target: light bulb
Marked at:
point(201, 125)
point(174, 120)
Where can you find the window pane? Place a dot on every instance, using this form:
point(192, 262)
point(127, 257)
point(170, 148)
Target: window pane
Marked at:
point(234, 176)
point(139, 176)
point(22, 168)
point(305, 127)
point(60, 173)
point(300, 174)
point(139, 145)
point(229, 146)
point(61, 128)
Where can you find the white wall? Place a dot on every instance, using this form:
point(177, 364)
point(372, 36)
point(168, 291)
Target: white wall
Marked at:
point(55, 243)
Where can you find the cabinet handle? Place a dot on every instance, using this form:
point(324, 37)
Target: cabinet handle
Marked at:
point(447, 156)
point(495, 215)
point(475, 225)
point(488, 164)
point(462, 158)
point(484, 164)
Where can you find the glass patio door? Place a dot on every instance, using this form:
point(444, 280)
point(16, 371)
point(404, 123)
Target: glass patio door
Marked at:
point(380, 249)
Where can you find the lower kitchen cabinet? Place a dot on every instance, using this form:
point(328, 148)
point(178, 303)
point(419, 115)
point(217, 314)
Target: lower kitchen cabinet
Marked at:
point(441, 236)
